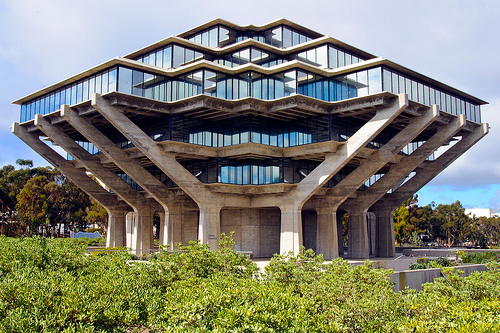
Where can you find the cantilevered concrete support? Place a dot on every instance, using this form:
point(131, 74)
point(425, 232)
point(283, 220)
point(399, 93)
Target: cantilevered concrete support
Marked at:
point(116, 209)
point(209, 203)
point(430, 169)
point(358, 207)
point(291, 205)
point(132, 168)
point(385, 207)
point(360, 175)
point(143, 242)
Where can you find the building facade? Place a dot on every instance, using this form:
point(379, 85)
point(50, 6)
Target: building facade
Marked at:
point(271, 132)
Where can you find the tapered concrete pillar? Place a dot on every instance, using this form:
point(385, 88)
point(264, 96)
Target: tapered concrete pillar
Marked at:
point(139, 226)
point(164, 233)
point(116, 234)
point(129, 228)
point(291, 229)
point(327, 233)
point(131, 167)
point(385, 241)
point(207, 201)
point(209, 225)
point(358, 242)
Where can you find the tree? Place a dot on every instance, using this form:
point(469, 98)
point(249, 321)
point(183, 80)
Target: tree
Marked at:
point(455, 225)
point(32, 201)
point(96, 214)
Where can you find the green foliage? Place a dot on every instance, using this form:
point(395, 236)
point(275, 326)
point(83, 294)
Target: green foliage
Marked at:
point(54, 285)
point(32, 197)
point(479, 257)
point(424, 263)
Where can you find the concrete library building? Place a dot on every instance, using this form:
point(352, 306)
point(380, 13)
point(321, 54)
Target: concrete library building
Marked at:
point(277, 133)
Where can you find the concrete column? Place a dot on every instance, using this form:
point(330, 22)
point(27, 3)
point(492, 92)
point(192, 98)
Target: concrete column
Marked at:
point(358, 242)
point(327, 233)
point(132, 168)
point(209, 225)
point(385, 240)
point(163, 238)
point(335, 161)
point(129, 227)
point(291, 229)
point(378, 159)
point(207, 201)
point(116, 235)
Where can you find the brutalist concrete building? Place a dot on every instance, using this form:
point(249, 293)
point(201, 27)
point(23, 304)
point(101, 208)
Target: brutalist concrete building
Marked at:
point(272, 132)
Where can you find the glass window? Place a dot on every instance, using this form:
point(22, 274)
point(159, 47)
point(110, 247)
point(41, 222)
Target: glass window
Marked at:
point(279, 85)
point(223, 36)
point(210, 83)
point(159, 58)
point(98, 87)
point(112, 80)
point(322, 56)
point(189, 56)
point(137, 83)
point(79, 93)
point(387, 80)
point(85, 96)
point(212, 35)
point(290, 83)
point(276, 38)
point(167, 57)
point(178, 56)
point(332, 57)
point(341, 58)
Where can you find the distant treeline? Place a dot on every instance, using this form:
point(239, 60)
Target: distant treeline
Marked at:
point(40, 200)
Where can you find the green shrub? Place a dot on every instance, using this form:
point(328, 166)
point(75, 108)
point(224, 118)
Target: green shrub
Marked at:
point(54, 285)
point(479, 257)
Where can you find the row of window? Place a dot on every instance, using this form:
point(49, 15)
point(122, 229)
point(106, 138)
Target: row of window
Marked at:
point(249, 84)
point(252, 173)
point(175, 56)
point(220, 36)
point(419, 92)
point(71, 94)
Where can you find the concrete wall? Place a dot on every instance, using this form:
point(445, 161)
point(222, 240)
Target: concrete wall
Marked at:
point(414, 279)
point(255, 230)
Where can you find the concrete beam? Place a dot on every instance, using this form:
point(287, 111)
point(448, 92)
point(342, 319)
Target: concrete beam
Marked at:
point(79, 177)
point(143, 236)
point(433, 168)
point(115, 208)
point(154, 187)
point(291, 204)
point(166, 162)
point(399, 171)
point(368, 168)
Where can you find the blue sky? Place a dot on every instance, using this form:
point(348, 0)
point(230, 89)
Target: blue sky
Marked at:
point(455, 41)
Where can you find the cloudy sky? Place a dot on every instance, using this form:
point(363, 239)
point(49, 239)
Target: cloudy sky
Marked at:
point(454, 41)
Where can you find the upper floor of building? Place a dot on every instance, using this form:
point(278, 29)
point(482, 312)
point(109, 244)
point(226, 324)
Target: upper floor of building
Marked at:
point(234, 62)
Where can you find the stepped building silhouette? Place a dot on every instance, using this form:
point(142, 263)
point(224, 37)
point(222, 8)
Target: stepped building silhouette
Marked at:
point(272, 132)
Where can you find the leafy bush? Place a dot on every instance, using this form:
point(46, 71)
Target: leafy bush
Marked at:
point(479, 257)
point(424, 263)
point(54, 285)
